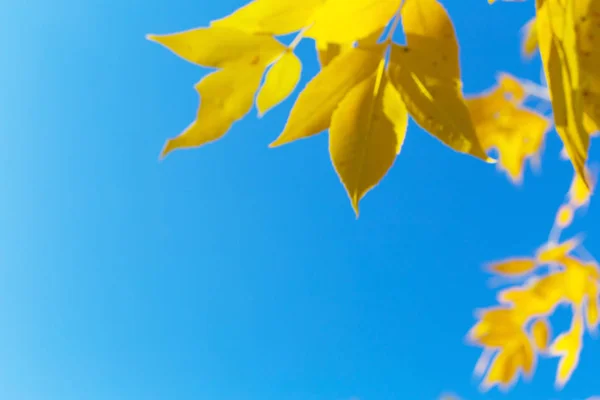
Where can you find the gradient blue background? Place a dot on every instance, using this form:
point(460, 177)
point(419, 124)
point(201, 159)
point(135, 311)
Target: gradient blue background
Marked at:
point(234, 271)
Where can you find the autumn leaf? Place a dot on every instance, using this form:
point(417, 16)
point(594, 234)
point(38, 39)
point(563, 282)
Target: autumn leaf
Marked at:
point(226, 96)
point(311, 114)
point(564, 216)
point(550, 253)
point(540, 331)
point(346, 21)
point(271, 17)
point(367, 131)
point(280, 81)
point(426, 73)
point(218, 47)
point(539, 296)
point(568, 346)
point(513, 266)
point(579, 192)
point(557, 39)
point(530, 38)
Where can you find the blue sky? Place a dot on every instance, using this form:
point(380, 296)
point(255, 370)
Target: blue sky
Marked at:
point(238, 272)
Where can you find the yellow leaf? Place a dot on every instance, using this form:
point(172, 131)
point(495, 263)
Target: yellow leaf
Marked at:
point(503, 370)
point(311, 114)
point(517, 133)
point(540, 330)
point(328, 51)
point(226, 96)
point(527, 358)
point(513, 266)
point(579, 279)
point(568, 346)
point(564, 216)
point(367, 131)
point(435, 102)
point(539, 296)
point(591, 307)
point(555, 25)
point(272, 17)
point(551, 253)
point(344, 21)
point(579, 192)
point(280, 82)
point(218, 47)
point(530, 38)
point(429, 31)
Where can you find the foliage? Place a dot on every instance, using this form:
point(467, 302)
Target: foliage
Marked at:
point(366, 90)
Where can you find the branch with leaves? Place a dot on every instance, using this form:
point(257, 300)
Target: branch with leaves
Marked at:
point(368, 87)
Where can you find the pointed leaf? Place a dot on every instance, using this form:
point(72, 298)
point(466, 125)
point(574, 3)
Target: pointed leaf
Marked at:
point(435, 102)
point(217, 46)
point(555, 25)
point(226, 96)
point(280, 82)
point(514, 266)
point(540, 330)
point(367, 132)
point(311, 114)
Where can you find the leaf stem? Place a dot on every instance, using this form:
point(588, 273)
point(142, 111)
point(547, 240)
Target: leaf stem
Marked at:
point(395, 22)
point(298, 38)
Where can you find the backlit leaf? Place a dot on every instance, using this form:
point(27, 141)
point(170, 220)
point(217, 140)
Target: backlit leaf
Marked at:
point(550, 253)
point(435, 102)
point(280, 82)
point(530, 38)
point(225, 97)
point(564, 216)
point(568, 346)
point(345, 21)
point(540, 331)
point(555, 24)
point(311, 114)
point(218, 47)
point(367, 131)
point(275, 17)
point(513, 266)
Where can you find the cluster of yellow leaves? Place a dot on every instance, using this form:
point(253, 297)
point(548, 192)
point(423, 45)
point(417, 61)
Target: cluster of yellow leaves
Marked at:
point(517, 329)
point(364, 93)
point(505, 124)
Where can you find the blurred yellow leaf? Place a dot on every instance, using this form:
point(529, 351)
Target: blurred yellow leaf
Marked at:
point(567, 346)
point(225, 97)
point(579, 192)
point(540, 331)
point(513, 266)
point(530, 38)
point(367, 131)
point(538, 297)
point(591, 307)
point(345, 21)
point(311, 114)
point(280, 82)
point(551, 252)
point(218, 47)
point(564, 216)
